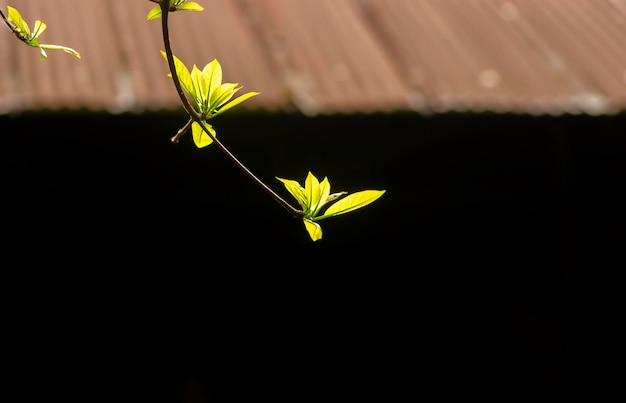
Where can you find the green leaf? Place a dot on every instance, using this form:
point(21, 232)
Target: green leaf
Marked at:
point(191, 6)
point(15, 17)
point(154, 13)
point(57, 47)
point(324, 192)
point(351, 203)
point(222, 94)
point(183, 75)
point(235, 102)
point(312, 192)
point(212, 73)
point(296, 191)
point(200, 138)
point(314, 229)
point(39, 28)
point(200, 87)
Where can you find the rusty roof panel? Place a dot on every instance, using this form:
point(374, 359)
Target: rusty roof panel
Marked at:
point(330, 56)
point(530, 55)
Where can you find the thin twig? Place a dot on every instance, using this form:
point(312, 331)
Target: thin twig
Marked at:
point(7, 20)
point(197, 117)
point(13, 28)
point(182, 131)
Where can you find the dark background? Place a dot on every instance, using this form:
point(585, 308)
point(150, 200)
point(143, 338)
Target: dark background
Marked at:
point(487, 270)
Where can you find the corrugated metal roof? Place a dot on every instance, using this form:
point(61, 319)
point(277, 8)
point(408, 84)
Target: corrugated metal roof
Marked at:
point(330, 56)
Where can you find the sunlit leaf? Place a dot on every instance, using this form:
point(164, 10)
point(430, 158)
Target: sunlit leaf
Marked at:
point(212, 72)
point(296, 191)
point(351, 202)
point(21, 25)
point(235, 102)
point(314, 229)
point(191, 6)
point(223, 93)
point(200, 86)
point(63, 48)
point(154, 13)
point(183, 75)
point(312, 192)
point(200, 138)
point(39, 28)
point(324, 191)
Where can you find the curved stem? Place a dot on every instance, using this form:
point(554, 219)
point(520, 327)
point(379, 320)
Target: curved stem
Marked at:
point(6, 20)
point(13, 27)
point(196, 117)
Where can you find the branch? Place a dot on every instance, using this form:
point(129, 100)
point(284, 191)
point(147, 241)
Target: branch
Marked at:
point(196, 117)
point(13, 27)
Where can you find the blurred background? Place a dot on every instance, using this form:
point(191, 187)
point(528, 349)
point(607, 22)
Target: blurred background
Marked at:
point(486, 270)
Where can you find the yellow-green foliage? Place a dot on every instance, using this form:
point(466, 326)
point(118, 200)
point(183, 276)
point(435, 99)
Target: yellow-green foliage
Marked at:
point(315, 195)
point(21, 29)
point(210, 95)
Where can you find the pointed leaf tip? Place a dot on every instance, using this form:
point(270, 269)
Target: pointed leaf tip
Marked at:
point(154, 13)
point(200, 138)
point(314, 230)
point(191, 6)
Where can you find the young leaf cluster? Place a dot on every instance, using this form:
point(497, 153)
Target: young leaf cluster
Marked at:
point(21, 29)
point(315, 195)
point(211, 97)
